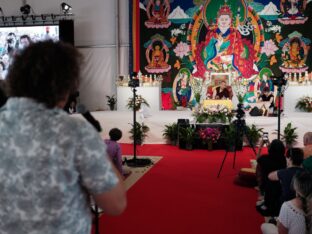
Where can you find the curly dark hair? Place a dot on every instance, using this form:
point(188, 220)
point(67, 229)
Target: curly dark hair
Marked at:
point(46, 72)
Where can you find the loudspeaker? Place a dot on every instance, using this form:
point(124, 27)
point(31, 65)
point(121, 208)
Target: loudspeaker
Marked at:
point(66, 29)
point(182, 123)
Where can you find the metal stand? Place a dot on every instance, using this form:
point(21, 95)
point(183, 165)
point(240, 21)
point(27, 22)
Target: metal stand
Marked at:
point(240, 130)
point(96, 219)
point(135, 162)
point(279, 94)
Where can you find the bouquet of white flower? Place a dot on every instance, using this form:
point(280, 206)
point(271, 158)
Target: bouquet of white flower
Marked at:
point(305, 104)
point(137, 103)
point(213, 113)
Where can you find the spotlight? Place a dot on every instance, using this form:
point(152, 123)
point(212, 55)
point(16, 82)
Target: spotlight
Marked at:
point(66, 8)
point(25, 9)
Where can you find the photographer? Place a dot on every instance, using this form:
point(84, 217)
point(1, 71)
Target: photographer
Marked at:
point(50, 162)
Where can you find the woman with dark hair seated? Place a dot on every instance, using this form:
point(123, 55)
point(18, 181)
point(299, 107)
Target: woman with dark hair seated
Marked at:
point(271, 190)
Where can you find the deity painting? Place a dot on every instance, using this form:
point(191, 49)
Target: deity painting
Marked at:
point(294, 53)
point(181, 89)
point(157, 13)
point(224, 49)
point(157, 55)
point(293, 11)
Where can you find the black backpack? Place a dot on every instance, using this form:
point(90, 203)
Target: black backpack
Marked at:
point(255, 111)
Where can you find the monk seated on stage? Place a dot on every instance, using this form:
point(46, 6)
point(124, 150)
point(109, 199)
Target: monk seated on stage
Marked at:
point(222, 91)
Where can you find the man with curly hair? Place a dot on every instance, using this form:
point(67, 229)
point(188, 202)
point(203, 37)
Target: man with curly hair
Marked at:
point(50, 163)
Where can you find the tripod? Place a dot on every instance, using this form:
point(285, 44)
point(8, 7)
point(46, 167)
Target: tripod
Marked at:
point(135, 162)
point(240, 131)
point(279, 82)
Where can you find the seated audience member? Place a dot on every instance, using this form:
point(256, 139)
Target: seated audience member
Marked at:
point(114, 149)
point(271, 190)
point(307, 150)
point(295, 215)
point(221, 92)
point(294, 158)
point(51, 161)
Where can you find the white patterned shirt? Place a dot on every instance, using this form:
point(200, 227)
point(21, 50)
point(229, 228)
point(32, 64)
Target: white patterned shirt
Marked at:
point(292, 218)
point(49, 162)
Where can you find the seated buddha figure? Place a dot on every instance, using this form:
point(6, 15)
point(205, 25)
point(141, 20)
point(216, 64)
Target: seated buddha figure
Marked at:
point(157, 60)
point(224, 48)
point(157, 13)
point(182, 90)
point(295, 57)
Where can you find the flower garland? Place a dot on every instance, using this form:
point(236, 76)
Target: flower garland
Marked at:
point(138, 101)
point(305, 104)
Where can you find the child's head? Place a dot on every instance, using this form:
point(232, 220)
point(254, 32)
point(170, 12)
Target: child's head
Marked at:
point(115, 134)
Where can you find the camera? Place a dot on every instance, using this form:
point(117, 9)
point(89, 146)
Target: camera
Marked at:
point(134, 83)
point(265, 137)
point(279, 80)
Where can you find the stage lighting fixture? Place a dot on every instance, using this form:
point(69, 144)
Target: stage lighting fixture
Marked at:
point(66, 8)
point(25, 9)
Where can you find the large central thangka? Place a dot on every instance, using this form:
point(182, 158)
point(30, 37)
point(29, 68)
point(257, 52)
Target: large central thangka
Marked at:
point(197, 45)
point(233, 36)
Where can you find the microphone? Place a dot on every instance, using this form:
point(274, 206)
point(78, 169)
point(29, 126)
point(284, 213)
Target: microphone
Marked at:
point(81, 109)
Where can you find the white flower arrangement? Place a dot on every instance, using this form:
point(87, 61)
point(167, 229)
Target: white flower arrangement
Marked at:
point(137, 103)
point(213, 113)
point(305, 104)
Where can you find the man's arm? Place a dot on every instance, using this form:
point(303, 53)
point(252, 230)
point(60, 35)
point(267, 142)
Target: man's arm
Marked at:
point(114, 201)
point(214, 94)
point(273, 176)
point(281, 228)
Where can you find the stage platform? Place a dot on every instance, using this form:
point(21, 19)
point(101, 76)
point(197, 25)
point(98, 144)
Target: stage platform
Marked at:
point(158, 119)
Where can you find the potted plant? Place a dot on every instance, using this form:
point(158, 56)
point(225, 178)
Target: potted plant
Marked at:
point(253, 134)
point(305, 104)
point(139, 100)
point(141, 131)
point(230, 137)
point(111, 101)
point(289, 135)
point(171, 133)
point(187, 135)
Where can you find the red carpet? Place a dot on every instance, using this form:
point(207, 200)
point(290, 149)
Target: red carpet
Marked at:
point(181, 194)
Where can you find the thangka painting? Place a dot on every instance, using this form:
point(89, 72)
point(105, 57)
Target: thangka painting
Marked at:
point(188, 42)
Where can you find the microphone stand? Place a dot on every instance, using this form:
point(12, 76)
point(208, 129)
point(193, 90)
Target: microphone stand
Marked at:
point(135, 162)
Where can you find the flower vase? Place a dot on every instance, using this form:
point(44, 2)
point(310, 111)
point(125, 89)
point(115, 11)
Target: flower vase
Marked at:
point(209, 145)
